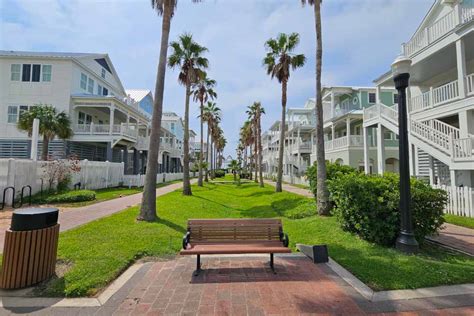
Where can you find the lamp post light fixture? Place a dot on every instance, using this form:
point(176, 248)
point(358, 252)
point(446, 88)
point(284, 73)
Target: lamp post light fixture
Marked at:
point(406, 241)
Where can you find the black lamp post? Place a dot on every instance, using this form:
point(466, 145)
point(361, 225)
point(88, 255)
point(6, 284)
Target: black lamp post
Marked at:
point(406, 241)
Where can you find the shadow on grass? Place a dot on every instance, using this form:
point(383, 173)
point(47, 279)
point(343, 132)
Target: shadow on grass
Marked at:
point(172, 225)
point(276, 208)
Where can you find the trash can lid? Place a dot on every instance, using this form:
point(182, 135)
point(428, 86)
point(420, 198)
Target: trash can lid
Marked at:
point(34, 218)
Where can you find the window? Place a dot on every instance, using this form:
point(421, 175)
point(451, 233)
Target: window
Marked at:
point(84, 118)
point(372, 98)
point(105, 92)
point(395, 98)
point(99, 89)
point(103, 73)
point(46, 73)
point(15, 72)
point(12, 114)
point(83, 81)
point(23, 109)
point(90, 86)
point(26, 72)
point(36, 73)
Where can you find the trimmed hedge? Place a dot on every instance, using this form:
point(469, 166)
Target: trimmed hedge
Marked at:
point(333, 170)
point(369, 206)
point(219, 173)
point(71, 197)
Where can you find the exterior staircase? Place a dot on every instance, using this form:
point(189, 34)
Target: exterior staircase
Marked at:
point(438, 139)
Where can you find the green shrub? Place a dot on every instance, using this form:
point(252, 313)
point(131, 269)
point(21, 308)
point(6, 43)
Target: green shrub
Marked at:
point(369, 206)
point(303, 210)
point(71, 197)
point(219, 173)
point(63, 185)
point(333, 170)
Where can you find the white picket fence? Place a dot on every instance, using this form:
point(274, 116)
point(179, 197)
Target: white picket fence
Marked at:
point(460, 200)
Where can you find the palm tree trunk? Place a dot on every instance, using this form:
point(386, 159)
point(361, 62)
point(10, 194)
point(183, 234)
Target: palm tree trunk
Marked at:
point(210, 157)
point(186, 181)
point(322, 191)
point(148, 206)
point(45, 148)
point(250, 162)
point(255, 150)
point(207, 152)
point(202, 143)
point(278, 187)
point(260, 156)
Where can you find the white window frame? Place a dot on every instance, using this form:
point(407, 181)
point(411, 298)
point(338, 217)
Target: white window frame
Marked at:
point(46, 75)
point(375, 97)
point(85, 120)
point(90, 85)
point(102, 73)
point(12, 72)
point(12, 115)
point(100, 90)
point(83, 83)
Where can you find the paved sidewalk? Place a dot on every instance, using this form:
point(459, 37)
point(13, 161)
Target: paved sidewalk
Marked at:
point(73, 217)
point(292, 189)
point(456, 237)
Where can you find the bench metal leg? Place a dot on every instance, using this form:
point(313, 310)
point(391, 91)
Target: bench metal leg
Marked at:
point(198, 265)
point(271, 263)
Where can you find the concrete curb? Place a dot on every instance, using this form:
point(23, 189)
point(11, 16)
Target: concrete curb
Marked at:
point(19, 298)
point(394, 295)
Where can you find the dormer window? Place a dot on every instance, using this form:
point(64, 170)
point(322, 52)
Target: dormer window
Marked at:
point(103, 73)
point(372, 97)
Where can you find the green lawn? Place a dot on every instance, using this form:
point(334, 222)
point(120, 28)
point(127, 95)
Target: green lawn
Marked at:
point(99, 251)
point(460, 220)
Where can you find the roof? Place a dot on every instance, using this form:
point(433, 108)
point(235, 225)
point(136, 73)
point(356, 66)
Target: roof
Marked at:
point(16, 53)
point(137, 94)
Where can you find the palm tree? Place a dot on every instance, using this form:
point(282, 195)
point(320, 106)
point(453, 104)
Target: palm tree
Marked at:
point(211, 116)
point(322, 190)
point(52, 124)
point(246, 138)
point(235, 167)
point(257, 110)
point(202, 91)
point(252, 117)
point(278, 62)
point(187, 56)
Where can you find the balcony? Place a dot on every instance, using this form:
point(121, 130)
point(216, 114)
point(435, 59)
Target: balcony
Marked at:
point(460, 14)
point(104, 129)
point(353, 141)
point(340, 110)
point(440, 95)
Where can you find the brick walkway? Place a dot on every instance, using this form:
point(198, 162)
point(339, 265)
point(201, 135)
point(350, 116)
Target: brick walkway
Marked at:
point(237, 286)
point(457, 237)
point(292, 189)
point(73, 217)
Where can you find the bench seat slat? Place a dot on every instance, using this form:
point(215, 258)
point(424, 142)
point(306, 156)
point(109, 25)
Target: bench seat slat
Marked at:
point(236, 248)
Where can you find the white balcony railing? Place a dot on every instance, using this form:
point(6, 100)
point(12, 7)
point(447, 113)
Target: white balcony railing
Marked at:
point(437, 96)
point(460, 14)
point(463, 148)
point(104, 129)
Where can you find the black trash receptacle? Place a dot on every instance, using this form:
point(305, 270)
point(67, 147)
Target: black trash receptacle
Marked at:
point(30, 247)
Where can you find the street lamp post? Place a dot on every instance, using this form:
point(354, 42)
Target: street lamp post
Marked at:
point(406, 241)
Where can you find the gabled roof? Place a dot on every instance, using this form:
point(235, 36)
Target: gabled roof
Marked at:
point(103, 57)
point(138, 94)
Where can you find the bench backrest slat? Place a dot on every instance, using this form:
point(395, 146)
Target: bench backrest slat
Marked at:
point(217, 230)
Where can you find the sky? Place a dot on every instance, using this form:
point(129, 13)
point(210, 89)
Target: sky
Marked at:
point(361, 38)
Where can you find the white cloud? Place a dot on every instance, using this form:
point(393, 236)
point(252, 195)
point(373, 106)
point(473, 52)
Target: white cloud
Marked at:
point(361, 38)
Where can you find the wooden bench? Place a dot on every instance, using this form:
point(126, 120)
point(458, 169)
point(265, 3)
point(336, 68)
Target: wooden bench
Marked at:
point(234, 236)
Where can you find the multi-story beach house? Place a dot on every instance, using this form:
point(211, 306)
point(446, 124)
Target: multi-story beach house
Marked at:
point(107, 122)
point(440, 96)
point(343, 127)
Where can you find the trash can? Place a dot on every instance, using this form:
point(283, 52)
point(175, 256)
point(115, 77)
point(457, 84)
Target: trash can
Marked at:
point(30, 247)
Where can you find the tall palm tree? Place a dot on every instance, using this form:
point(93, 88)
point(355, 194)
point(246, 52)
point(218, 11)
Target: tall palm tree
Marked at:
point(278, 62)
point(256, 111)
point(322, 190)
point(164, 8)
point(211, 116)
point(51, 124)
point(246, 138)
point(202, 91)
point(187, 56)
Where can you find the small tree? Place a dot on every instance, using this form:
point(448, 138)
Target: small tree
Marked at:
point(52, 124)
point(60, 171)
point(235, 167)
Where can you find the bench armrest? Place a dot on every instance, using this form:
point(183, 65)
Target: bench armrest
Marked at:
point(285, 239)
point(186, 239)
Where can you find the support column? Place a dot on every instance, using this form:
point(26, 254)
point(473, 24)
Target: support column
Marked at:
point(380, 150)
point(109, 151)
point(333, 104)
point(452, 178)
point(34, 140)
point(136, 161)
point(431, 170)
point(111, 119)
point(377, 95)
point(366, 150)
point(414, 159)
point(299, 149)
point(348, 131)
point(466, 123)
point(333, 132)
point(461, 67)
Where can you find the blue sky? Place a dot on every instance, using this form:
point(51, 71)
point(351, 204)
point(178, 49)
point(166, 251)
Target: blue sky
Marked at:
point(360, 40)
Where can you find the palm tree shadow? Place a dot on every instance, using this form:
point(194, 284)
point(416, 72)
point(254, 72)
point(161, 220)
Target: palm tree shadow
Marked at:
point(275, 209)
point(174, 226)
